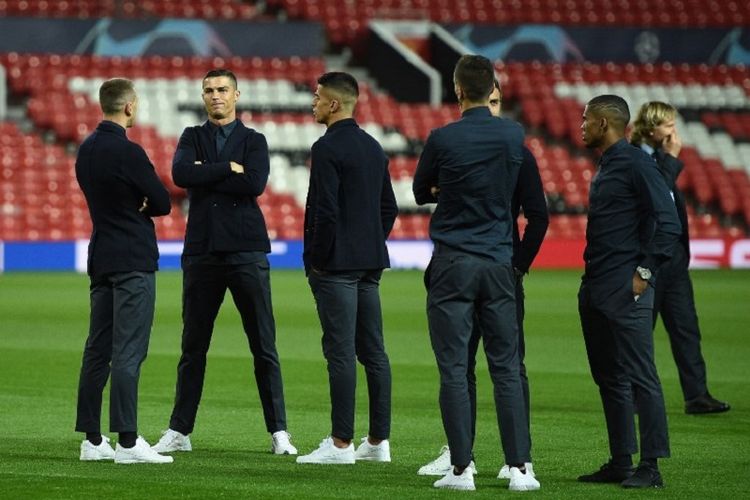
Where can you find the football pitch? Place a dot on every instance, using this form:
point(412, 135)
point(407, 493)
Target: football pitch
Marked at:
point(43, 324)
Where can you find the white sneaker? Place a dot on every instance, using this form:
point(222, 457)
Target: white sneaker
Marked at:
point(373, 452)
point(172, 441)
point(90, 452)
point(505, 471)
point(442, 465)
point(522, 482)
point(453, 482)
point(328, 453)
point(281, 443)
point(141, 453)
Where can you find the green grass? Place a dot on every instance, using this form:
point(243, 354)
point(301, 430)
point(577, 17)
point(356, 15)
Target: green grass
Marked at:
point(43, 323)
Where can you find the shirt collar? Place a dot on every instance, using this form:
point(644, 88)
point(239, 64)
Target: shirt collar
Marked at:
point(346, 122)
point(613, 149)
point(225, 129)
point(648, 149)
point(477, 111)
point(114, 127)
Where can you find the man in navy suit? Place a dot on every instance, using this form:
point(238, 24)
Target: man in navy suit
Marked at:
point(655, 132)
point(529, 196)
point(224, 166)
point(631, 231)
point(123, 192)
point(470, 168)
point(350, 211)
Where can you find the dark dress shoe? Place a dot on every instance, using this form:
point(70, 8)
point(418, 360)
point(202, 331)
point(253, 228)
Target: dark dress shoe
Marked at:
point(608, 473)
point(705, 404)
point(645, 476)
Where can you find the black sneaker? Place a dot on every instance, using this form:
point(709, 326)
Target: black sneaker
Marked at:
point(705, 404)
point(608, 473)
point(645, 476)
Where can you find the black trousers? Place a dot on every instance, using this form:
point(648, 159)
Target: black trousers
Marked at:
point(122, 312)
point(471, 376)
point(464, 289)
point(348, 305)
point(620, 348)
point(204, 286)
point(675, 302)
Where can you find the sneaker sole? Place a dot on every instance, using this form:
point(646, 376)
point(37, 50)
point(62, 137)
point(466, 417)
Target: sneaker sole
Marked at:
point(458, 488)
point(135, 461)
point(433, 472)
point(170, 450)
point(332, 462)
point(96, 459)
point(372, 459)
point(524, 488)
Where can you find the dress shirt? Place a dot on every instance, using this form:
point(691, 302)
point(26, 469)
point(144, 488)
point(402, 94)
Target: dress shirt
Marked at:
point(475, 163)
point(627, 196)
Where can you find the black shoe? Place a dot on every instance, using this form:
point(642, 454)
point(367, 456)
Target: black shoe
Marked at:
point(705, 404)
point(608, 473)
point(645, 476)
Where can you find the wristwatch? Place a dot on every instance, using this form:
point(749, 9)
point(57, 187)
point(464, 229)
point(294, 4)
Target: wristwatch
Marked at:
point(644, 273)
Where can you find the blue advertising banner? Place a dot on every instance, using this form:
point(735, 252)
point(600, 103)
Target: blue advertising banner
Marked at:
point(72, 255)
point(181, 37)
point(551, 43)
point(33, 256)
point(710, 253)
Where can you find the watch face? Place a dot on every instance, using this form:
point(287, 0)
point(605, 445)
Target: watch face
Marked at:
point(644, 273)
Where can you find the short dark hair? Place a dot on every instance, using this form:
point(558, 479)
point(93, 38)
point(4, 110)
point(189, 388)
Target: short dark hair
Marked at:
point(496, 85)
point(114, 94)
point(613, 108)
point(341, 82)
point(222, 72)
point(475, 75)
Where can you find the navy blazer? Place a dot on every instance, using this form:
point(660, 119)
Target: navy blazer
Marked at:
point(670, 168)
point(350, 207)
point(224, 215)
point(529, 196)
point(632, 220)
point(475, 162)
point(115, 175)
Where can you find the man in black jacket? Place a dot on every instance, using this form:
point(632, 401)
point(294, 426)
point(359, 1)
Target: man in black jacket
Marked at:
point(224, 166)
point(123, 192)
point(654, 131)
point(632, 230)
point(529, 196)
point(470, 168)
point(350, 211)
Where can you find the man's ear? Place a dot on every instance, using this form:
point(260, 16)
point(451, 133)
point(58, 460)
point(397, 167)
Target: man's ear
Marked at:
point(335, 105)
point(459, 92)
point(603, 123)
point(129, 108)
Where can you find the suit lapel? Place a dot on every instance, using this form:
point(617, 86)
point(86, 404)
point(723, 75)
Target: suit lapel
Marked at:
point(206, 144)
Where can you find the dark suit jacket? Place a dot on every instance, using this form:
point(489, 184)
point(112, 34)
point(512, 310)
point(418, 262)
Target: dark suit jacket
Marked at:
point(632, 222)
point(115, 176)
point(670, 168)
point(224, 215)
point(475, 162)
point(351, 207)
point(529, 195)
